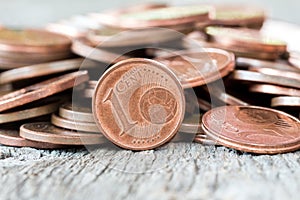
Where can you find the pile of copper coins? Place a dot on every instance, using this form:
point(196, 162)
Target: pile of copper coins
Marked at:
point(143, 76)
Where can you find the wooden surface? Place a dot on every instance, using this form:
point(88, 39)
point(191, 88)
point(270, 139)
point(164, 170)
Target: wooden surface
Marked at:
point(179, 171)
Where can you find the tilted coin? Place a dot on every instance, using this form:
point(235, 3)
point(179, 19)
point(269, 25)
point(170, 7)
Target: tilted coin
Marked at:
point(42, 90)
point(138, 104)
point(248, 62)
point(76, 113)
point(286, 101)
point(74, 125)
point(199, 67)
point(46, 132)
point(49, 107)
point(160, 17)
point(85, 49)
point(11, 137)
point(253, 129)
point(244, 75)
point(247, 38)
point(276, 72)
point(274, 89)
point(237, 15)
point(30, 40)
point(39, 70)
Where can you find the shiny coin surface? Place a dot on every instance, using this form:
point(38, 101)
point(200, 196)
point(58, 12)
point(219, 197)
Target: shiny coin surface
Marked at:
point(274, 89)
point(76, 113)
point(74, 125)
point(11, 137)
point(46, 132)
point(253, 129)
point(39, 70)
point(244, 75)
point(286, 101)
point(196, 68)
point(42, 90)
point(139, 104)
point(32, 41)
point(276, 72)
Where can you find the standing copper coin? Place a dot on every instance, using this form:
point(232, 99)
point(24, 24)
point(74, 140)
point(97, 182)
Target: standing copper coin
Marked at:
point(42, 90)
point(46, 132)
point(138, 104)
point(253, 129)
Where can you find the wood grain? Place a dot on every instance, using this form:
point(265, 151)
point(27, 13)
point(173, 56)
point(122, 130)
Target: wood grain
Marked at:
point(180, 171)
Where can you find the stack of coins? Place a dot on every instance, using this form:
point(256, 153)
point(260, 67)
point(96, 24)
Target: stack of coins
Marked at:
point(26, 47)
point(218, 80)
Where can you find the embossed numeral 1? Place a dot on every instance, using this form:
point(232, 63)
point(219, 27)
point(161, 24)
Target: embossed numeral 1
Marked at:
point(127, 124)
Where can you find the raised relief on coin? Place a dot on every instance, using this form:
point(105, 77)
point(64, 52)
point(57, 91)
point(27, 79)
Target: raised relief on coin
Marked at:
point(256, 116)
point(261, 130)
point(138, 104)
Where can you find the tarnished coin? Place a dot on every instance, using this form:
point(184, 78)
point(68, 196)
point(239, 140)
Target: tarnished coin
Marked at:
point(244, 75)
point(161, 17)
point(199, 67)
point(49, 107)
point(138, 104)
point(46, 132)
point(76, 113)
point(253, 129)
point(286, 101)
point(250, 39)
point(274, 89)
point(11, 137)
point(39, 70)
point(74, 125)
point(237, 15)
point(37, 41)
point(83, 48)
point(42, 90)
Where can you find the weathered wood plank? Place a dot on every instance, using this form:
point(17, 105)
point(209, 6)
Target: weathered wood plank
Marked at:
point(193, 172)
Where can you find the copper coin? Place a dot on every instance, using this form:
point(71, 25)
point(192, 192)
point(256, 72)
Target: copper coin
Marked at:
point(30, 113)
point(191, 124)
point(253, 129)
point(237, 15)
point(254, 63)
point(161, 17)
point(39, 70)
point(76, 113)
point(287, 101)
point(11, 137)
point(276, 72)
point(42, 90)
point(204, 140)
point(46, 132)
point(109, 37)
point(263, 78)
point(83, 48)
point(247, 38)
point(74, 125)
point(32, 41)
point(224, 97)
point(294, 59)
point(274, 89)
point(199, 67)
point(138, 104)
